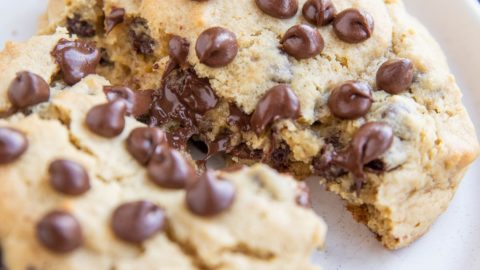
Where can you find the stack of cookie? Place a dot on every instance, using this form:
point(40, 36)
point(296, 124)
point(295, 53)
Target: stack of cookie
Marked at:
point(98, 112)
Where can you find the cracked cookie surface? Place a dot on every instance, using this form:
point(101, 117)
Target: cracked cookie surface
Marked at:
point(48, 229)
point(398, 192)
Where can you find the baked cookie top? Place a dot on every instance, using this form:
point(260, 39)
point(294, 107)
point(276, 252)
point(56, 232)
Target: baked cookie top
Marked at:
point(86, 186)
point(355, 91)
point(252, 52)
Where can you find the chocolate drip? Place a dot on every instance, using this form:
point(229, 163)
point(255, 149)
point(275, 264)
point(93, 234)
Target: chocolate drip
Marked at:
point(183, 99)
point(370, 142)
point(238, 118)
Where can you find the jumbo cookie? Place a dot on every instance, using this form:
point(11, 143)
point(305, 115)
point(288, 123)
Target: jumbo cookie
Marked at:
point(355, 91)
point(86, 186)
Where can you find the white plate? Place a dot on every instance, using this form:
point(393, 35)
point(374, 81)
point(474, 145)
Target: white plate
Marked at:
point(454, 240)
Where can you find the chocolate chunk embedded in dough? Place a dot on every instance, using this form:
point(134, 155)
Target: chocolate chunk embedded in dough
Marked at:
point(137, 221)
point(209, 196)
point(69, 177)
point(353, 25)
point(13, 144)
point(59, 232)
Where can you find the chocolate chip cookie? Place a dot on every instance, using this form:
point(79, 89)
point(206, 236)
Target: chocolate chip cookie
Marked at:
point(356, 92)
point(87, 186)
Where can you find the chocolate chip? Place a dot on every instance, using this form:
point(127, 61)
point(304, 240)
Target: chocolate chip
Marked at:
point(137, 102)
point(77, 59)
point(216, 47)
point(178, 50)
point(168, 169)
point(370, 142)
point(120, 93)
point(142, 42)
point(107, 120)
point(351, 100)
point(143, 100)
point(280, 102)
point(116, 17)
point(281, 9)
point(303, 195)
point(79, 27)
point(279, 157)
point(69, 177)
point(137, 221)
point(60, 232)
point(322, 164)
point(13, 144)
point(395, 76)
point(142, 142)
point(28, 89)
point(319, 12)
point(209, 196)
point(238, 118)
point(353, 25)
point(302, 42)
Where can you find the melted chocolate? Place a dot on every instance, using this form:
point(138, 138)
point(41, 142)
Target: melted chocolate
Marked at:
point(179, 138)
point(220, 144)
point(280, 102)
point(242, 151)
point(182, 99)
point(76, 59)
point(370, 142)
point(178, 49)
point(322, 164)
point(138, 102)
point(278, 158)
point(238, 118)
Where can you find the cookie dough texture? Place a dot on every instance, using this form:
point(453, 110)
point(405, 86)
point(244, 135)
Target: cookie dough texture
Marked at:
point(18, 57)
point(434, 138)
point(264, 229)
